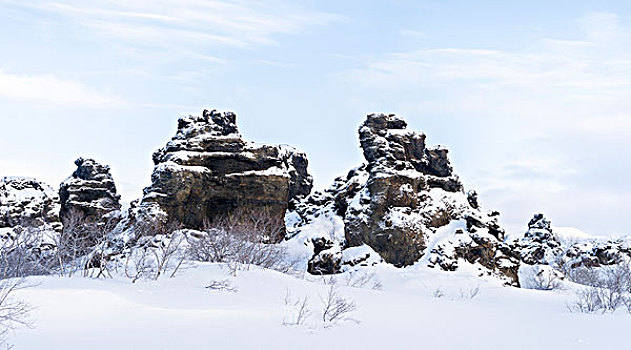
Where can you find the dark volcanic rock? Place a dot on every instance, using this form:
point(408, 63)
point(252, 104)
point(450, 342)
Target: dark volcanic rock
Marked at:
point(400, 168)
point(539, 244)
point(327, 257)
point(27, 202)
point(90, 192)
point(207, 171)
point(399, 199)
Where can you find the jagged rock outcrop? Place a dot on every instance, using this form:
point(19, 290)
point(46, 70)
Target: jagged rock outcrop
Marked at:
point(26, 202)
point(89, 192)
point(597, 253)
point(399, 199)
point(539, 245)
point(207, 171)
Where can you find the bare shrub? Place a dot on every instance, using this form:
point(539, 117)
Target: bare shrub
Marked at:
point(156, 253)
point(438, 293)
point(138, 264)
point(329, 280)
point(26, 254)
point(296, 311)
point(13, 312)
point(78, 248)
point(336, 307)
point(616, 277)
point(592, 299)
point(363, 280)
point(607, 289)
point(472, 293)
point(76, 245)
point(240, 240)
point(587, 276)
point(221, 285)
point(587, 301)
point(545, 280)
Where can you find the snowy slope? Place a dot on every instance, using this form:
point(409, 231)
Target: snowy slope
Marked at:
point(179, 313)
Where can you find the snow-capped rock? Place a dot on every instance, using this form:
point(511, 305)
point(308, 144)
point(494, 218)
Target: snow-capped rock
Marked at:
point(567, 250)
point(396, 202)
point(208, 171)
point(28, 202)
point(90, 191)
point(539, 245)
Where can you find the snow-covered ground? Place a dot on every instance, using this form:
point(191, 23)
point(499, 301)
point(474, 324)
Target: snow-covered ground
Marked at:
point(416, 307)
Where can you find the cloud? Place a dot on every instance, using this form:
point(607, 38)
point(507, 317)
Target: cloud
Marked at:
point(187, 22)
point(49, 89)
point(547, 174)
point(563, 82)
point(618, 125)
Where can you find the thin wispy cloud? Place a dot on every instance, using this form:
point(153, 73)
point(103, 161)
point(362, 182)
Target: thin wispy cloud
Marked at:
point(572, 80)
point(50, 89)
point(187, 22)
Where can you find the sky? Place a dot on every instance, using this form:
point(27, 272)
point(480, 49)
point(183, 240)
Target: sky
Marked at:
point(532, 98)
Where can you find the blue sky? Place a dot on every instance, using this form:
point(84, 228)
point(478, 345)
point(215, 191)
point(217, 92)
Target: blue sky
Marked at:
point(531, 97)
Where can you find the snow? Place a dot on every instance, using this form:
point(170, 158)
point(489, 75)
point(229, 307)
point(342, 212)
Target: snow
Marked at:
point(329, 226)
point(174, 167)
point(417, 308)
point(353, 254)
point(19, 189)
point(272, 171)
point(571, 235)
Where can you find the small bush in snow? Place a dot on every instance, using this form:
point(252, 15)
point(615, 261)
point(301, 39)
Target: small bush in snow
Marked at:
point(593, 299)
point(336, 307)
point(472, 293)
point(587, 301)
point(608, 289)
point(330, 280)
point(363, 280)
point(438, 293)
point(158, 255)
point(545, 278)
point(296, 311)
point(221, 285)
point(13, 312)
